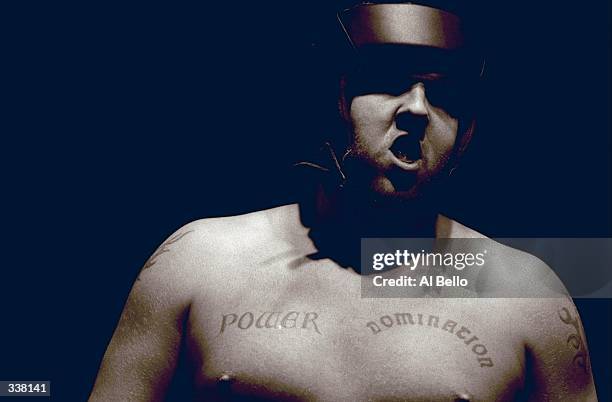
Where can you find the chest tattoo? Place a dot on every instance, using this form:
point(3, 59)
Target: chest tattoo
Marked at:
point(462, 333)
point(269, 320)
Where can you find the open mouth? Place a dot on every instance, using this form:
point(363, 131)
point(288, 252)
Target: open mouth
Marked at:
point(406, 148)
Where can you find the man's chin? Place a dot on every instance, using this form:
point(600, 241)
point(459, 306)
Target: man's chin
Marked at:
point(388, 183)
point(384, 187)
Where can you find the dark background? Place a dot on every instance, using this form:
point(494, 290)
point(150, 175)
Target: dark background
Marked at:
point(127, 121)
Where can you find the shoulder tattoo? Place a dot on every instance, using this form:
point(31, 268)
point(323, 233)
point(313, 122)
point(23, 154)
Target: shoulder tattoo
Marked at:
point(164, 248)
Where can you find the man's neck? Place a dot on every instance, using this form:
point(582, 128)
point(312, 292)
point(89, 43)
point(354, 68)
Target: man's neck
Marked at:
point(363, 215)
point(339, 220)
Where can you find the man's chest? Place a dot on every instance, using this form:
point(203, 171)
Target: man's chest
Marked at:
point(299, 341)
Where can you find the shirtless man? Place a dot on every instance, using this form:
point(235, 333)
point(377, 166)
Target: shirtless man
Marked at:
point(269, 306)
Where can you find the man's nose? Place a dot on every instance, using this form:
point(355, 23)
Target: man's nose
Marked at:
point(413, 113)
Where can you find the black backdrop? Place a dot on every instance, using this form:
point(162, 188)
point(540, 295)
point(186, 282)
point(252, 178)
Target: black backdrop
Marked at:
point(128, 121)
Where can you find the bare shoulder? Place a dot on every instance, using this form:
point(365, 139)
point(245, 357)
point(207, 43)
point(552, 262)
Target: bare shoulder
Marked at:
point(508, 272)
point(525, 285)
point(232, 236)
point(201, 250)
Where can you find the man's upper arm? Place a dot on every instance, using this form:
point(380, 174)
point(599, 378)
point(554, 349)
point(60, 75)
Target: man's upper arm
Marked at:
point(142, 355)
point(559, 361)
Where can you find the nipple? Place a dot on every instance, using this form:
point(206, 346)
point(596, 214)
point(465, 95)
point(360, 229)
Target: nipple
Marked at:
point(462, 397)
point(226, 377)
point(224, 385)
